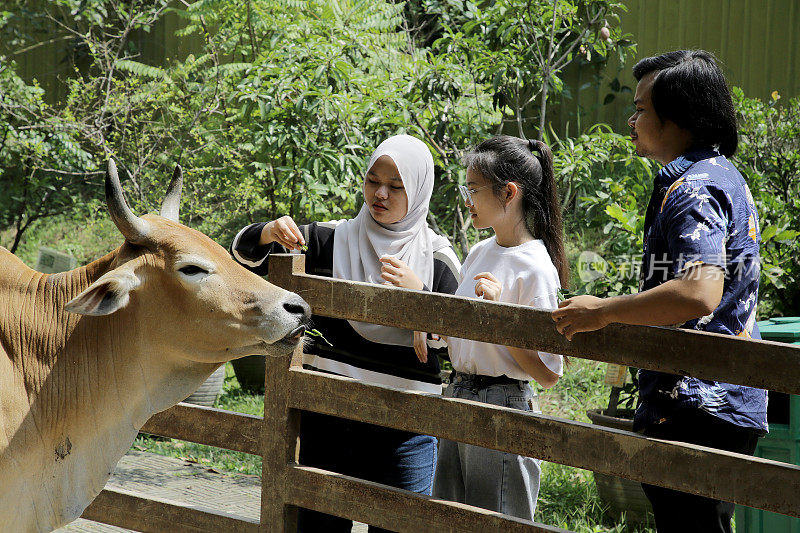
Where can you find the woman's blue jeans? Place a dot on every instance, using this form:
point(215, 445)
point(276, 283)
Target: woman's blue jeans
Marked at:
point(383, 455)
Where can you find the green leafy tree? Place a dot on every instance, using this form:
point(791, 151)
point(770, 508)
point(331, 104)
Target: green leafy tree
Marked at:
point(42, 174)
point(275, 113)
point(61, 149)
point(321, 84)
point(521, 47)
point(769, 157)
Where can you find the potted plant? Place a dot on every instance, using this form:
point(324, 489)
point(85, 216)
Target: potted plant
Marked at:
point(208, 392)
point(620, 495)
point(249, 370)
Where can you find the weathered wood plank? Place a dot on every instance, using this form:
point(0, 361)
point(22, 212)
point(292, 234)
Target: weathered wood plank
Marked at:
point(204, 425)
point(280, 429)
point(140, 512)
point(727, 476)
point(764, 364)
point(394, 509)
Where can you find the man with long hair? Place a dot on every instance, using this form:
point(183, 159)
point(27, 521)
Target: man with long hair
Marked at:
point(700, 270)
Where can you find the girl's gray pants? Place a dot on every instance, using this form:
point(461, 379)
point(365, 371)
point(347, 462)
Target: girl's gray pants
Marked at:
point(485, 478)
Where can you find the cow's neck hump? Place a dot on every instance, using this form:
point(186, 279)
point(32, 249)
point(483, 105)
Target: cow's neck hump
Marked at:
point(32, 315)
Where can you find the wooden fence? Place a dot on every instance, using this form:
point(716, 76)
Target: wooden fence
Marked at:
point(290, 389)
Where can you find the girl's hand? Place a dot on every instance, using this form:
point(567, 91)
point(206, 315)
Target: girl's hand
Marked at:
point(488, 286)
point(399, 274)
point(421, 346)
point(285, 232)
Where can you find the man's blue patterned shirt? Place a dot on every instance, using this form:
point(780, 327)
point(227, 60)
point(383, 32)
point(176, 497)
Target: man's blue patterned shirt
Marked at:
point(701, 212)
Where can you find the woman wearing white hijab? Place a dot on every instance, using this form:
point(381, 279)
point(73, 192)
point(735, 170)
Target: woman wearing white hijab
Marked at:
point(388, 242)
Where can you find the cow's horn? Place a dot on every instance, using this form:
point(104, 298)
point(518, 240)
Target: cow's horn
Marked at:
point(172, 201)
point(132, 227)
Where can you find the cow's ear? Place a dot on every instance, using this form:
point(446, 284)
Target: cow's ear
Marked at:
point(108, 294)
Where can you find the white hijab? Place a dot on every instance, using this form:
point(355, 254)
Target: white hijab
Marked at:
point(360, 242)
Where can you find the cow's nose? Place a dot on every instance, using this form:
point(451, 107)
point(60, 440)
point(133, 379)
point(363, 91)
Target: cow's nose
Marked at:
point(297, 306)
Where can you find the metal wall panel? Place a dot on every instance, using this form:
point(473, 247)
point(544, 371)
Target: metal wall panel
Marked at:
point(758, 42)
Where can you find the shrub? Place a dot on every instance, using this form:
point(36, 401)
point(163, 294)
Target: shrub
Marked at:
point(42, 165)
point(769, 158)
point(276, 114)
point(605, 189)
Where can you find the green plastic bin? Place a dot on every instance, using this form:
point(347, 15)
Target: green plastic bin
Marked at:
point(783, 441)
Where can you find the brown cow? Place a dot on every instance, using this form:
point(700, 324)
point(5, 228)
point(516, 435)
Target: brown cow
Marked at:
point(87, 356)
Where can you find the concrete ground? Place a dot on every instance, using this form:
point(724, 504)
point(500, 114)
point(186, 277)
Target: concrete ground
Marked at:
point(178, 480)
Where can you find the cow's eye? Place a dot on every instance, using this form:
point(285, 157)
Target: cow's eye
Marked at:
point(192, 270)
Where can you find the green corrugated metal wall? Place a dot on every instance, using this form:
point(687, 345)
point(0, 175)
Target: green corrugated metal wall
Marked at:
point(758, 42)
point(55, 60)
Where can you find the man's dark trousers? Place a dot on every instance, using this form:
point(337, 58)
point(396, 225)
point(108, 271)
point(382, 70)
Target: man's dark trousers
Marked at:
point(679, 512)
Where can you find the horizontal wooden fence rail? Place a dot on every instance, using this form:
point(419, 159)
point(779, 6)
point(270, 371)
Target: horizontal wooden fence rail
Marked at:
point(155, 515)
point(714, 473)
point(394, 509)
point(764, 364)
point(212, 427)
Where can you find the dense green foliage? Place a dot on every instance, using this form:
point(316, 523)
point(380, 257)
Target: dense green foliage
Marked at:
point(276, 115)
point(769, 158)
point(43, 170)
point(613, 187)
point(521, 47)
point(281, 108)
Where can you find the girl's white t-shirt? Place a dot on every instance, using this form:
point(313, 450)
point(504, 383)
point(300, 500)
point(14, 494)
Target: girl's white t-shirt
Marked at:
point(528, 277)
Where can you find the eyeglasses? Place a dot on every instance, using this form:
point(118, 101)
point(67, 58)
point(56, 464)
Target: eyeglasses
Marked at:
point(466, 193)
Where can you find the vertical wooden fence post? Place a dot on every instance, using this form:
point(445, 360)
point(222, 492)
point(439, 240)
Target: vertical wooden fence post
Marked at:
point(281, 424)
point(283, 266)
point(280, 429)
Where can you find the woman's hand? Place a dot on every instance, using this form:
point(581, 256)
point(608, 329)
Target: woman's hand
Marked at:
point(399, 274)
point(488, 286)
point(421, 346)
point(285, 232)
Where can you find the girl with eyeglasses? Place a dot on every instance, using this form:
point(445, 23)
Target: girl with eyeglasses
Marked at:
point(510, 188)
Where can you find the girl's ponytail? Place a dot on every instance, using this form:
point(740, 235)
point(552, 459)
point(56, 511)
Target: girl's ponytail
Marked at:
point(551, 231)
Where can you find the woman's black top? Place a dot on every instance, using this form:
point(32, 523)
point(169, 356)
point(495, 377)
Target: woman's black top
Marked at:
point(340, 349)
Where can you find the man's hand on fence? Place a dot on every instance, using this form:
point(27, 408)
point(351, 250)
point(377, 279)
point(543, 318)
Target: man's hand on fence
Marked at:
point(580, 313)
point(421, 346)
